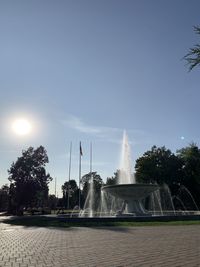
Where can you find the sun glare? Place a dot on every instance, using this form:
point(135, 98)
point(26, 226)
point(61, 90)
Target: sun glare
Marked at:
point(21, 127)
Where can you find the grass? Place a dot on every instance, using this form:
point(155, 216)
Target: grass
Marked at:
point(46, 222)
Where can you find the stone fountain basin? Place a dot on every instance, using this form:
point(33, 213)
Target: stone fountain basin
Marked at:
point(130, 191)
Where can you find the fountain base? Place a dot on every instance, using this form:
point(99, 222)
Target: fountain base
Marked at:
point(132, 195)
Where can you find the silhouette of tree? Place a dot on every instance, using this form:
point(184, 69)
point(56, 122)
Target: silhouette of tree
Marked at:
point(190, 157)
point(71, 188)
point(112, 180)
point(159, 165)
point(4, 197)
point(29, 181)
point(97, 183)
point(52, 202)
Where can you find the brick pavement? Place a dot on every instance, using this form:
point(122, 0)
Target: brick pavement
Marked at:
point(110, 247)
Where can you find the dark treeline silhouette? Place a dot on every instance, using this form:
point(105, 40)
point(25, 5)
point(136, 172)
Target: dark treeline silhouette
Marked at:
point(28, 189)
point(29, 181)
point(162, 166)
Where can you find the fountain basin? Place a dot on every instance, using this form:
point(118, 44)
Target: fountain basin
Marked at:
point(132, 195)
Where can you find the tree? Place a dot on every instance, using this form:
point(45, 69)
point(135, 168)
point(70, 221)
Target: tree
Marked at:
point(97, 184)
point(70, 188)
point(190, 157)
point(112, 180)
point(159, 165)
point(4, 197)
point(193, 56)
point(52, 202)
point(29, 180)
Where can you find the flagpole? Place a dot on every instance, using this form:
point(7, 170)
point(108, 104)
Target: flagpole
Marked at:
point(79, 198)
point(55, 194)
point(70, 160)
point(90, 159)
point(91, 185)
point(55, 186)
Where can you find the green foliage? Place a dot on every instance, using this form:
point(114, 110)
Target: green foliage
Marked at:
point(52, 202)
point(41, 221)
point(97, 180)
point(28, 178)
point(193, 56)
point(112, 180)
point(97, 183)
point(4, 197)
point(158, 165)
point(70, 188)
point(190, 157)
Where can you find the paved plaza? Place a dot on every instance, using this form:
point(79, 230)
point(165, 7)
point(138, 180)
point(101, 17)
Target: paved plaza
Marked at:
point(110, 246)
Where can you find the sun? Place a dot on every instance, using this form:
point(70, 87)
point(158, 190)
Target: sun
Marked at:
point(21, 127)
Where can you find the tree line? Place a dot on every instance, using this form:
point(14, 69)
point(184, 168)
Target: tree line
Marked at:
point(28, 188)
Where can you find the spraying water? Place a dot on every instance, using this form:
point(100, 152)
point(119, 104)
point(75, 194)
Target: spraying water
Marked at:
point(185, 195)
point(125, 172)
point(91, 200)
point(88, 209)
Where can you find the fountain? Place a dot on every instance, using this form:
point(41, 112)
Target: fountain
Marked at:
point(88, 210)
point(130, 199)
point(127, 190)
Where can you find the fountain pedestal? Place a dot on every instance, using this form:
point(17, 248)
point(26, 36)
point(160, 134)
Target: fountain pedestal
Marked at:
point(132, 195)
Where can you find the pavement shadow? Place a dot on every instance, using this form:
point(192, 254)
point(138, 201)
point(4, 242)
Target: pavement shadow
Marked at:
point(114, 228)
point(44, 222)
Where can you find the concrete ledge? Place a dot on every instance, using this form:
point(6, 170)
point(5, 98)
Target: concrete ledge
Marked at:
point(63, 218)
point(165, 218)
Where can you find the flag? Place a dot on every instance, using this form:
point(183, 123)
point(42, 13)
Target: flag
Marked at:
point(81, 152)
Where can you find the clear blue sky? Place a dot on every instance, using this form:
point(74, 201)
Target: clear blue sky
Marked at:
point(86, 70)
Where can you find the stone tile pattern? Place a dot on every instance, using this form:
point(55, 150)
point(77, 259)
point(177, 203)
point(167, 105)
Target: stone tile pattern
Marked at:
point(100, 247)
